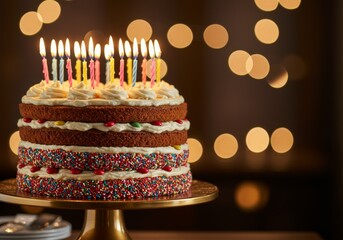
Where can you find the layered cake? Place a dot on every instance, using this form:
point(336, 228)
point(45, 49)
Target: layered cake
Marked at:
point(103, 142)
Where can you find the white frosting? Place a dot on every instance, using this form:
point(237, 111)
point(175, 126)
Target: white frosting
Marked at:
point(65, 174)
point(118, 127)
point(113, 150)
point(80, 95)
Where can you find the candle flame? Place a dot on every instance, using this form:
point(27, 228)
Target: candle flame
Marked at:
point(42, 47)
point(90, 48)
point(53, 47)
point(67, 48)
point(157, 49)
point(135, 48)
point(143, 47)
point(127, 49)
point(77, 49)
point(83, 50)
point(111, 46)
point(121, 48)
point(60, 48)
point(97, 51)
point(107, 52)
point(151, 50)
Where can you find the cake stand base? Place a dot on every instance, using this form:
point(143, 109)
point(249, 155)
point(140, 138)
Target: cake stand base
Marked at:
point(104, 218)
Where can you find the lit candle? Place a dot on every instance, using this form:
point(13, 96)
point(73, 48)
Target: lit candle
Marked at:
point(107, 54)
point(84, 62)
point(53, 51)
point(121, 69)
point(61, 54)
point(44, 62)
point(153, 63)
point(112, 69)
point(68, 65)
point(91, 62)
point(77, 53)
point(144, 53)
point(135, 55)
point(158, 61)
point(128, 63)
point(97, 64)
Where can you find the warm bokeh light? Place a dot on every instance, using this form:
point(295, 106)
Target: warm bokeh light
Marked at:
point(250, 196)
point(97, 36)
point(164, 68)
point(290, 4)
point(240, 62)
point(216, 36)
point(267, 5)
point(195, 150)
point(278, 76)
point(31, 209)
point(14, 142)
point(257, 139)
point(225, 145)
point(180, 35)
point(281, 140)
point(260, 66)
point(266, 31)
point(30, 23)
point(295, 66)
point(139, 29)
point(50, 10)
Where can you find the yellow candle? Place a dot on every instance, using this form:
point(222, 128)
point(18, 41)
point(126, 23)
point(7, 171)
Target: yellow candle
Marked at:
point(112, 70)
point(158, 61)
point(129, 63)
point(77, 53)
point(84, 63)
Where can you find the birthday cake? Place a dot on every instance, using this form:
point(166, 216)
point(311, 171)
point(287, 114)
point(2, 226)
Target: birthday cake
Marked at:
point(103, 141)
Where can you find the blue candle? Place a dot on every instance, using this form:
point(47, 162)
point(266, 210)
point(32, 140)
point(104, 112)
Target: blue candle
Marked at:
point(54, 61)
point(61, 54)
point(135, 54)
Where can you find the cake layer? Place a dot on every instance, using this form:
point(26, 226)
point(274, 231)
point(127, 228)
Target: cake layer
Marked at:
point(53, 136)
point(141, 187)
point(123, 114)
point(106, 158)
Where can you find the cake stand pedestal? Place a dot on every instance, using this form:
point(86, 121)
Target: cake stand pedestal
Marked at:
point(104, 218)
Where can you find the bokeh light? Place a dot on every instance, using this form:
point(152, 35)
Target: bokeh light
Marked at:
point(216, 36)
point(266, 31)
point(257, 139)
point(282, 140)
point(139, 29)
point(164, 68)
point(30, 23)
point(195, 150)
point(225, 145)
point(260, 66)
point(250, 196)
point(278, 76)
point(50, 10)
point(290, 4)
point(267, 5)
point(180, 35)
point(240, 62)
point(97, 36)
point(295, 66)
point(14, 142)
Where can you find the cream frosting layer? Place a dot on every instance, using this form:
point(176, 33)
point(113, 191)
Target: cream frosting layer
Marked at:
point(114, 150)
point(118, 127)
point(65, 174)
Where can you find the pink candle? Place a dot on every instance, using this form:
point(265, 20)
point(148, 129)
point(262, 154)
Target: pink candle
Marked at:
point(68, 66)
point(44, 62)
point(97, 64)
point(144, 53)
point(121, 68)
point(153, 64)
point(91, 62)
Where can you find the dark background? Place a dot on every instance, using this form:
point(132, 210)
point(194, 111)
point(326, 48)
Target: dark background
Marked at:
point(303, 195)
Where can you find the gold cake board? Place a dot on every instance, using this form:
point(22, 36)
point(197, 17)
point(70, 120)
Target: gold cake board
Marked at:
point(104, 218)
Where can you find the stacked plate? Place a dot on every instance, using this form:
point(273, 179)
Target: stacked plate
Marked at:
point(60, 230)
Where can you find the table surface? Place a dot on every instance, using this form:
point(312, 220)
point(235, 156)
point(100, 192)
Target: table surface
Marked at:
point(206, 235)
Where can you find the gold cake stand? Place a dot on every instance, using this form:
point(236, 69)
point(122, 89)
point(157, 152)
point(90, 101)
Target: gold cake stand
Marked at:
point(104, 218)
